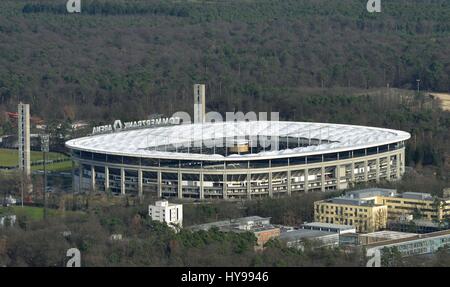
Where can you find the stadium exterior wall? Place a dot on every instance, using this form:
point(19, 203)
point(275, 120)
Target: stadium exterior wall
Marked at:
point(251, 178)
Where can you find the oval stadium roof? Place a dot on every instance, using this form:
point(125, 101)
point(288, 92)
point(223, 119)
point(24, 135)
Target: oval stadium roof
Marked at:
point(333, 138)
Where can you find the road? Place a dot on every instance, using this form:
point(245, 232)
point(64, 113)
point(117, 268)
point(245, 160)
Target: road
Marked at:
point(444, 98)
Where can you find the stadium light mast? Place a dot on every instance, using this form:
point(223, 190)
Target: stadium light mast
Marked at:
point(418, 86)
point(45, 139)
point(24, 147)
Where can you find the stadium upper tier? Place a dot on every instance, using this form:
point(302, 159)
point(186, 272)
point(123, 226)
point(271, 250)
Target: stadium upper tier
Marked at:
point(206, 141)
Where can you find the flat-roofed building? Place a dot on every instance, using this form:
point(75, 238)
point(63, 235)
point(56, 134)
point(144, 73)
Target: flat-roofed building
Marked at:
point(329, 227)
point(415, 245)
point(364, 215)
point(420, 205)
point(163, 211)
point(417, 225)
point(259, 226)
point(373, 237)
point(265, 234)
point(298, 237)
point(370, 209)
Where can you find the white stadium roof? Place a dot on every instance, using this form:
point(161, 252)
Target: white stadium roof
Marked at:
point(139, 142)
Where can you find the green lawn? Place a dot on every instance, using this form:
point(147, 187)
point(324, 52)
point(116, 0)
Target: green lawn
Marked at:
point(58, 166)
point(33, 213)
point(10, 157)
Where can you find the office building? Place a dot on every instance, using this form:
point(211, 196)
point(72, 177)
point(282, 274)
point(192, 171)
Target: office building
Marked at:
point(370, 209)
point(163, 211)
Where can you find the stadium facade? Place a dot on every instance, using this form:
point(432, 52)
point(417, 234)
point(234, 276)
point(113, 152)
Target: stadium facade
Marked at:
point(243, 159)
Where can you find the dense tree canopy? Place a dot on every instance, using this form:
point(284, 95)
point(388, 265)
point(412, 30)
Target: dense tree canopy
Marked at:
point(123, 58)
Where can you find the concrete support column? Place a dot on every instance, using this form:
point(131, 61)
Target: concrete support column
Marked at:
point(106, 178)
point(338, 177)
point(202, 188)
point(225, 188)
point(388, 166)
point(403, 161)
point(180, 184)
point(122, 181)
point(140, 188)
point(73, 176)
point(398, 166)
point(270, 185)
point(159, 185)
point(353, 172)
point(289, 188)
point(377, 175)
point(249, 186)
point(92, 178)
point(80, 178)
point(322, 177)
point(306, 183)
point(366, 170)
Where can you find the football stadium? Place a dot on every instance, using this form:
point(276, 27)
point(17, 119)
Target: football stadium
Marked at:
point(239, 159)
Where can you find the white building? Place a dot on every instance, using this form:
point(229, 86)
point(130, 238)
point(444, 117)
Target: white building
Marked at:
point(329, 227)
point(8, 220)
point(170, 213)
point(8, 201)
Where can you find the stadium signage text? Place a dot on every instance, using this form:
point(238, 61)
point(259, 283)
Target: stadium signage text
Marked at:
point(119, 126)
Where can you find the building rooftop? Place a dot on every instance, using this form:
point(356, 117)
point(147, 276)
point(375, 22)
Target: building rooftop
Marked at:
point(243, 223)
point(393, 242)
point(164, 203)
point(352, 201)
point(371, 192)
point(417, 195)
point(389, 235)
point(364, 197)
point(423, 223)
point(299, 234)
point(329, 225)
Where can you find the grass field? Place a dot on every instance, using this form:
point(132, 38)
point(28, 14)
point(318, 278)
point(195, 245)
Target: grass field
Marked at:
point(33, 213)
point(9, 158)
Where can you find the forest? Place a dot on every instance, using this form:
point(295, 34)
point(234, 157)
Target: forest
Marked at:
point(309, 60)
point(149, 243)
point(134, 58)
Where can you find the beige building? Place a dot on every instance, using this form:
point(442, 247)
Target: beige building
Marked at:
point(369, 209)
point(419, 205)
point(364, 216)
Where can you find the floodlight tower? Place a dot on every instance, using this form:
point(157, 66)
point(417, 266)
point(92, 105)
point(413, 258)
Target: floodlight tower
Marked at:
point(199, 103)
point(24, 146)
point(45, 139)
